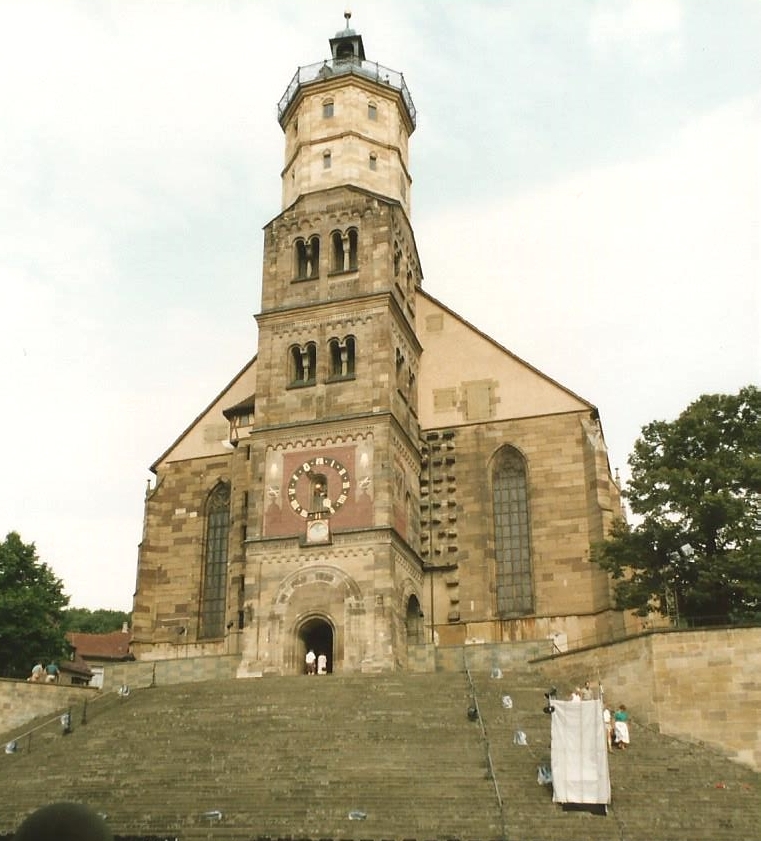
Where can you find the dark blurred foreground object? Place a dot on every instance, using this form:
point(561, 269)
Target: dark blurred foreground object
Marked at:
point(64, 822)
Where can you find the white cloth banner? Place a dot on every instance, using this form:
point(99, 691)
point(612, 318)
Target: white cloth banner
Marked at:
point(579, 753)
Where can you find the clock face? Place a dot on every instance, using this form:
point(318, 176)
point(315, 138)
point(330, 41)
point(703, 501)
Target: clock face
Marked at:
point(318, 531)
point(312, 483)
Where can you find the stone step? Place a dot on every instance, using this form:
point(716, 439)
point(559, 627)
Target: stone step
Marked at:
point(360, 757)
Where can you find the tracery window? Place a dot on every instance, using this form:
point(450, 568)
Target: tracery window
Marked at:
point(515, 596)
point(342, 354)
point(302, 362)
point(306, 258)
point(214, 591)
point(345, 250)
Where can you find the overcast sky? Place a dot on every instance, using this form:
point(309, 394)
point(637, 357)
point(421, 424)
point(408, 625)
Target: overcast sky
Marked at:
point(586, 191)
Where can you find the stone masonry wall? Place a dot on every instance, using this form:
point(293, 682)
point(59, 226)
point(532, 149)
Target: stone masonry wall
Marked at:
point(700, 685)
point(21, 701)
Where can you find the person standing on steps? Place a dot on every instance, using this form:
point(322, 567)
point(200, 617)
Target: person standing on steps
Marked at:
point(311, 662)
point(621, 727)
point(607, 719)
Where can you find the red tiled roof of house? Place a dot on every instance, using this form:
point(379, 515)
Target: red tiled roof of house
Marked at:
point(113, 646)
point(76, 666)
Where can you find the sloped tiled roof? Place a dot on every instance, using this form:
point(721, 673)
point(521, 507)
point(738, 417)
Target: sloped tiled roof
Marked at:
point(113, 646)
point(76, 666)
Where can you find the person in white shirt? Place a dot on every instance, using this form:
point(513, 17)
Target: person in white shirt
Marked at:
point(310, 662)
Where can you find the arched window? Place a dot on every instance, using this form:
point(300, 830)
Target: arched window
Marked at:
point(353, 248)
point(413, 622)
point(373, 161)
point(515, 595)
point(302, 364)
point(345, 249)
point(327, 108)
point(342, 357)
point(318, 484)
point(214, 592)
point(306, 258)
point(400, 383)
point(327, 160)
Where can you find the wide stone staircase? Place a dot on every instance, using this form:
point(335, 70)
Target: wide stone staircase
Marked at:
point(662, 789)
point(377, 757)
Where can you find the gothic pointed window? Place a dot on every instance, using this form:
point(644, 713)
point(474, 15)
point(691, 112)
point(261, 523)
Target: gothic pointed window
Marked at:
point(342, 358)
point(515, 596)
point(214, 590)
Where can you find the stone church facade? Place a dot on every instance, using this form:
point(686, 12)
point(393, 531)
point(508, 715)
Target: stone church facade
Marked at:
point(381, 474)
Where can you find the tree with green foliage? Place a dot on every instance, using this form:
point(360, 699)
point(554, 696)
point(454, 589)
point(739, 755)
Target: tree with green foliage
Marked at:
point(31, 609)
point(695, 491)
point(100, 621)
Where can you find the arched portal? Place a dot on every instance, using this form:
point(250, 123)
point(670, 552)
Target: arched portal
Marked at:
point(316, 634)
point(414, 621)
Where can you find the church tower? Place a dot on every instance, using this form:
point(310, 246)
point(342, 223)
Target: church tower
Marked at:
point(382, 480)
point(332, 454)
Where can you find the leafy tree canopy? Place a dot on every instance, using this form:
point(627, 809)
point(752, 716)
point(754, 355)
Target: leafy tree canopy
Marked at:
point(101, 621)
point(31, 609)
point(695, 491)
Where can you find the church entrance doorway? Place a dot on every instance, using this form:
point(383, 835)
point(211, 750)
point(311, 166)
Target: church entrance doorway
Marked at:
point(316, 635)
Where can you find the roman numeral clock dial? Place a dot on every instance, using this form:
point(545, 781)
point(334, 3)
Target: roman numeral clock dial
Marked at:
point(316, 490)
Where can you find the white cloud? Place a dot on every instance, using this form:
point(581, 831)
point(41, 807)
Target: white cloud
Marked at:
point(649, 29)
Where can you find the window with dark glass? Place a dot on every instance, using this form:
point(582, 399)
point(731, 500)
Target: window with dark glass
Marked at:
point(214, 594)
point(327, 108)
point(515, 595)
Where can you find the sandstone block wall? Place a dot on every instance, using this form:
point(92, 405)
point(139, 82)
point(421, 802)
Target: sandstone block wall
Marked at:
point(701, 685)
point(21, 701)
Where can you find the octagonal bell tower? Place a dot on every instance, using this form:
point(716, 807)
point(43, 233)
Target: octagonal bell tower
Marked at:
point(347, 120)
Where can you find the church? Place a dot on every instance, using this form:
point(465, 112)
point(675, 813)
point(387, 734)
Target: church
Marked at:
point(381, 475)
